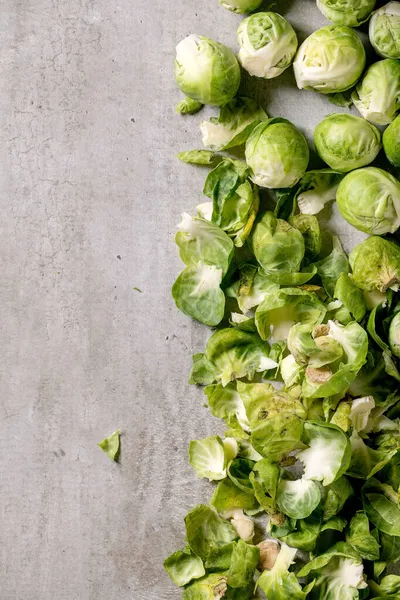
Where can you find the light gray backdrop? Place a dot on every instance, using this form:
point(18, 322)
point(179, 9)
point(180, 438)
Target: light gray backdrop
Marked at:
point(91, 194)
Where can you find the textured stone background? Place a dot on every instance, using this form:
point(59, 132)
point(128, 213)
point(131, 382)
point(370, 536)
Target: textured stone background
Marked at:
point(91, 193)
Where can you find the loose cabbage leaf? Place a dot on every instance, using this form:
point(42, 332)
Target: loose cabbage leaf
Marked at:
point(210, 587)
point(200, 240)
point(199, 157)
point(328, 454)
point(281, 309)
point(183, 566)
point(298, 498)
point(197, 293)
point(235, 122)
point(206, 531)
point(361, 539)
point(231, 354)
point(330, 268)
point(381, 505)
point(277, 245)
point(207, 457)
point(243, 565)
point(351, 296)
point(227, 497)
point(275, 418)
point(111, 445)
point(337, 574)
point(337, 494)
point(234, 198)
point(279, 583)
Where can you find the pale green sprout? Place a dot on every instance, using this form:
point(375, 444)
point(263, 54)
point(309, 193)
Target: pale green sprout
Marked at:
point(267, 43)
point(377, 96)
point(346, 142)
point(369, 199)
point(376, 265)
point(346, 12)
point(234, 124)
point(277, 154)
point(316, 189)
point(298, 498)
point(330, 60)
point(241, 7)
point(206, 71)
point(391, 142)
point(207, 457)
point(328, 454)
point(394, 335)
point(384, 30)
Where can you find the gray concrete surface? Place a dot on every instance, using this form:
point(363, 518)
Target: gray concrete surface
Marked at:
point(91, 193)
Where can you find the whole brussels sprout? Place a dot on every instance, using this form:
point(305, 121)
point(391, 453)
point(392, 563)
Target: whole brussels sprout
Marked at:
point(241, 6)
point(369, 199)
point(394, 335)
point(330, 60)
point(391, 142)
point(384, 30)
point(277, 154)
point(346, 142)
point(346, 12)
point(376, 265)
point(267, 43)
point(377, 96)
point(206, 71)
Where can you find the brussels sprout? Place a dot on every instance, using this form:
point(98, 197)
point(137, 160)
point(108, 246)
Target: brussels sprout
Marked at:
point(277, 154)
point(377, 96)
point(384, 30)
point(369, 199)
point(346, 12)
point(330, 60)
point(206, 71)
point(241, 6)
point(346, 142)
point(391, 142)
point(267, 43)
point(376, 264)
point(394, 335)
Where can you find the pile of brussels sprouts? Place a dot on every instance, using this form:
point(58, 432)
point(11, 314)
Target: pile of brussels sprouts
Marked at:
point(304, 363)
